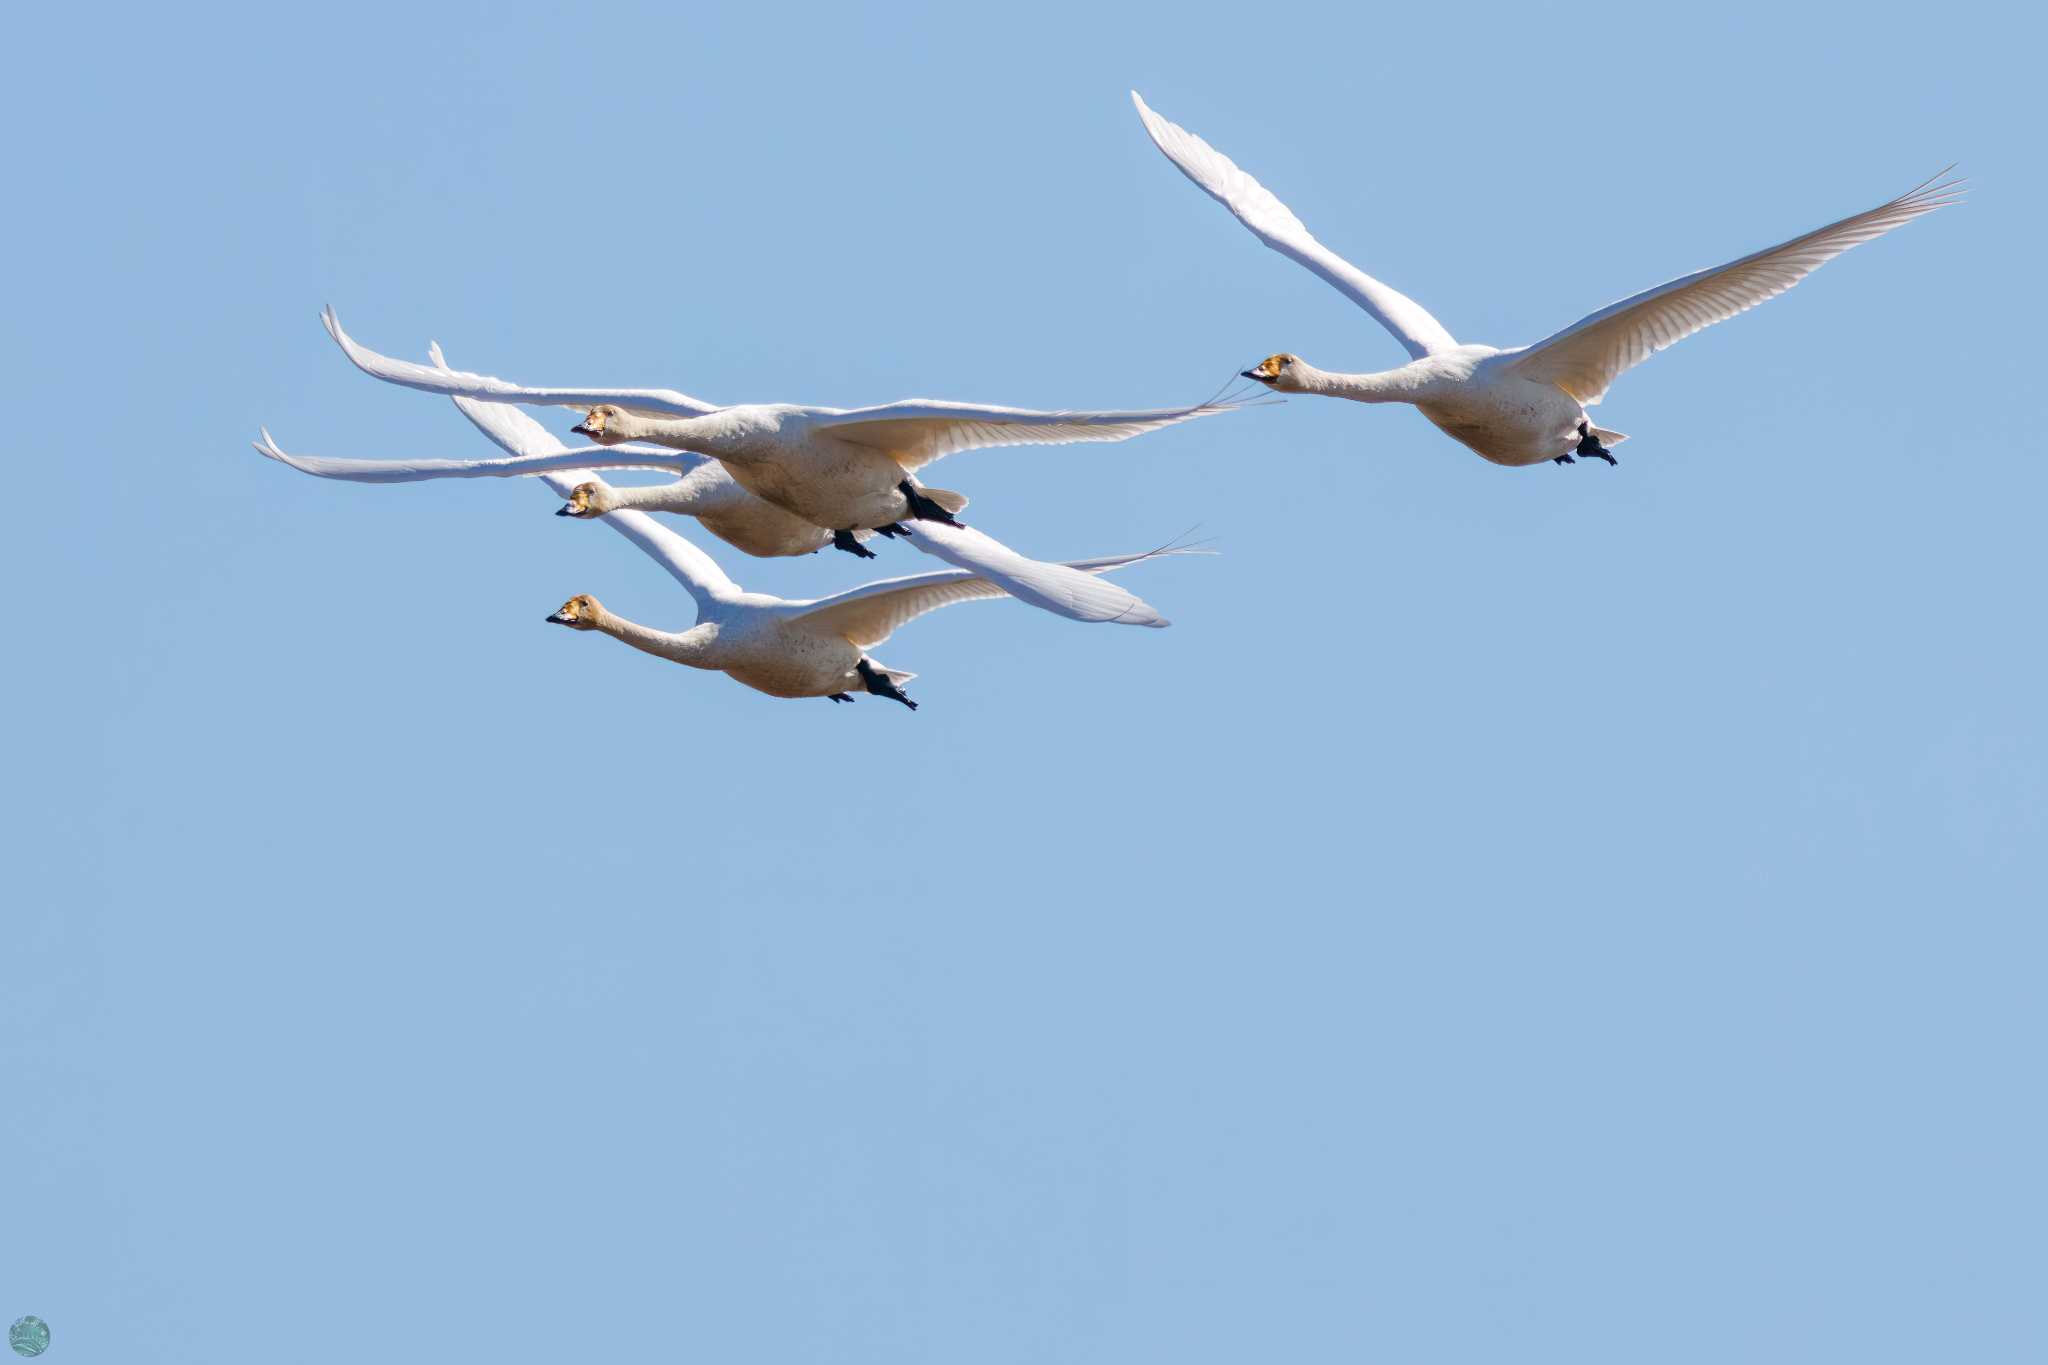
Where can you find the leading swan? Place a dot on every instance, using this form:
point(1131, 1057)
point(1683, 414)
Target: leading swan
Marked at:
point(1528, 405)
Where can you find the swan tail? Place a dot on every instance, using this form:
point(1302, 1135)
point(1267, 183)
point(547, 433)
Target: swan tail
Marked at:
point(894, 675)
point(946, 498)
point(1608, 438)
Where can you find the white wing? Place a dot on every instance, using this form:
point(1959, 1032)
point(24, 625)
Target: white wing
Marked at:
point(503, 466)
point(1273, 223)
point(457, 384)
point(917, 431)
point(513, 430)
point(520, 435)
point(696, 571)
point(1588, 356)
point(870, 614)
point(1058, 588)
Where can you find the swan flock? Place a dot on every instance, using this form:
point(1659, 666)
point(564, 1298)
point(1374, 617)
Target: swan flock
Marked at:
point(785, 479)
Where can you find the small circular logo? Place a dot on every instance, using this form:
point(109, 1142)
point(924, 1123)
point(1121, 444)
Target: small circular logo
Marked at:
point(29, 1336)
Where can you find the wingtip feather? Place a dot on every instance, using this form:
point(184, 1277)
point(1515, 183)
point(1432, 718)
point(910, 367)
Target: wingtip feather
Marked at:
point(1156, 126)
point(269, 449)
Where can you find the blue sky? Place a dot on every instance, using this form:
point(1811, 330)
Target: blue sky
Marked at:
point(1567, 914)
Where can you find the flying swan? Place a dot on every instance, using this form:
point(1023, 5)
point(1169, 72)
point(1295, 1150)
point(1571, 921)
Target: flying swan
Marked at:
point(788, 648)
point(845, 470)
point(1527, 405)
point(707, 492)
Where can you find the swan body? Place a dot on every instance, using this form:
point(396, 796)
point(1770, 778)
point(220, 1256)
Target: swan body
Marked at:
point(719, 503)
point(708, 492)
point(1470, 393)
point(843, 469)
point(1526, 405)
point(787, 659)
point(783, 455)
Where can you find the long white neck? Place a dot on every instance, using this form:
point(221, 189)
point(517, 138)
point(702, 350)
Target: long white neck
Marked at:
point(692, 646)
point(685, 495)
point(1381, 386)
point(717, 434)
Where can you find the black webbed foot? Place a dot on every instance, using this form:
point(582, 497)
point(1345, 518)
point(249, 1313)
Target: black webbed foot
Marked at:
point(878, 683)
point(1564, 459)
point(893, 530)
point(1589, 445)
point(923, 508)
point(843, 540)
point(838, 696)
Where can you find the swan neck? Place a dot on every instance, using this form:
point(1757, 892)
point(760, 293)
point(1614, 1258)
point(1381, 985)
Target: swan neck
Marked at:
point(690, 647)
point(711, 435)
point(1382, 386)
point(668, 497)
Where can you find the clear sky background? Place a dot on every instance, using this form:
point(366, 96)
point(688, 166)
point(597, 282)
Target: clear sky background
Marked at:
point(1557, 915)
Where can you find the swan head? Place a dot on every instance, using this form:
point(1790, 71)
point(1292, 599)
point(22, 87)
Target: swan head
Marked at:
point(587, 500)
point(603, 425)
point(578, 613)
point(1279, 372)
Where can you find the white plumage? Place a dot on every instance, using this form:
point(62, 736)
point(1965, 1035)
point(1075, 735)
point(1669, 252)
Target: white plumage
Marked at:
point(784, 647)
point(1518, 407)
point(707, 492)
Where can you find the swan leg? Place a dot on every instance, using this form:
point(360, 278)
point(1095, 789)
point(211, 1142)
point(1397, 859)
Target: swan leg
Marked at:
point(879, 684)
point(923, 508)
point(843, 540)
point(838, 696)
point(1564, 459)
point(1589, 445)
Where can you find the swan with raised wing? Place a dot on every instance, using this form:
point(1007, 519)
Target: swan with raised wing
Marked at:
point(809, 648)
point(1527, 405)
point(844, 469)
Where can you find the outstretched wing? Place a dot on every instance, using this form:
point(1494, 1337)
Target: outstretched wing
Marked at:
point(1273, 223)
point(1065, 590)
point(917, 431)
point(508, 426)
point(696, 571)
point(870, 614)
point(499, 467)
point(1588, 356)
point(457, 384)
